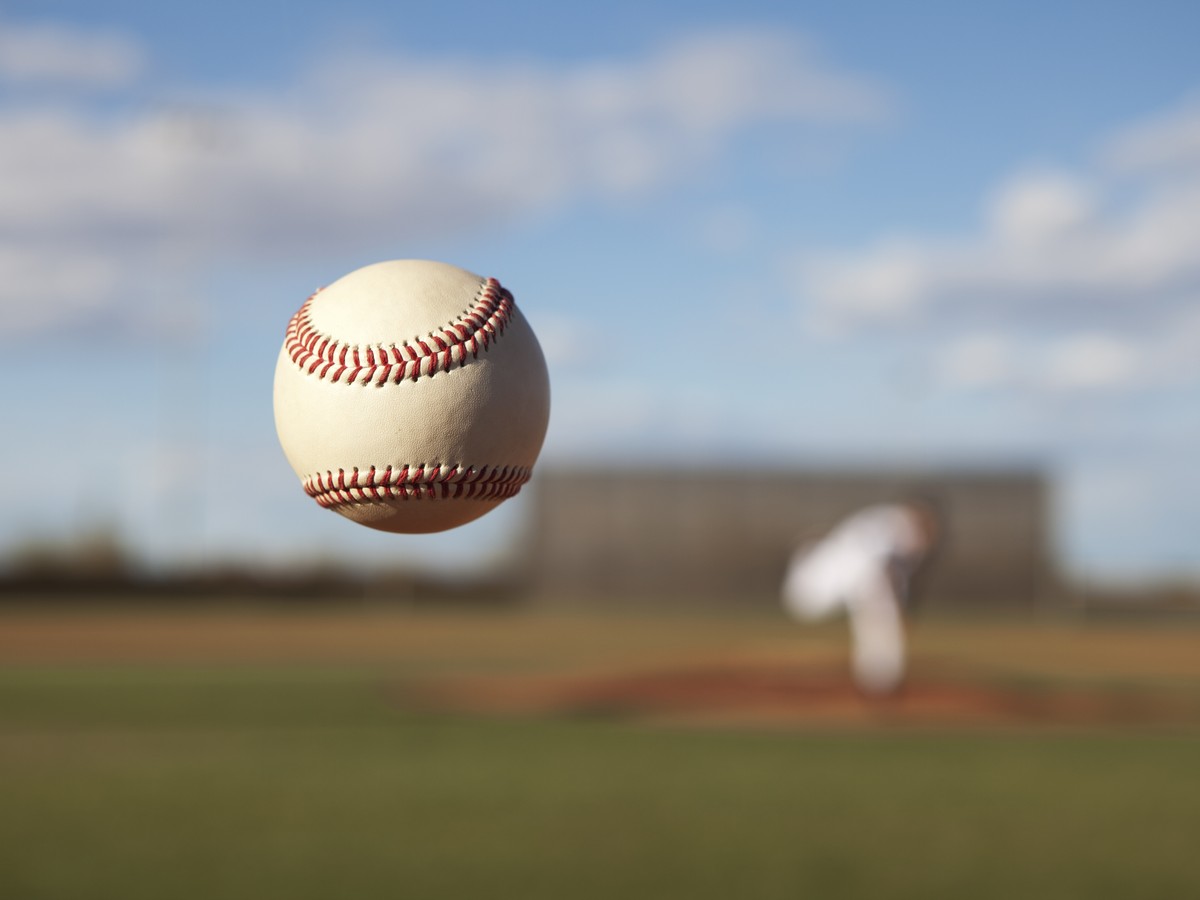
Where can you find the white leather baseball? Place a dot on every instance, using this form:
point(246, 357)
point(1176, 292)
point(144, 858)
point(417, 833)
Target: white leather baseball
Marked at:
point(411, 396)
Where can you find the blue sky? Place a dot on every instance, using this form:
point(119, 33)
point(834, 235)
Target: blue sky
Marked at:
point(751, 234)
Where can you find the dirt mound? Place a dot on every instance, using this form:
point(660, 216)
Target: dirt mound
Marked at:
point(779, 695)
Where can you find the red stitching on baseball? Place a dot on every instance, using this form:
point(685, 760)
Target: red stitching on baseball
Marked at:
point(434, 482)
point(320, 354)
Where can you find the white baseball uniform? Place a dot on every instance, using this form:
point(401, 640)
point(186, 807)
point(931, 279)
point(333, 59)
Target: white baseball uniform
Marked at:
point(862, 568)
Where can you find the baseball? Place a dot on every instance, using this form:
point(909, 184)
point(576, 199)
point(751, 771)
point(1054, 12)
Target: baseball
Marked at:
point(411, 396)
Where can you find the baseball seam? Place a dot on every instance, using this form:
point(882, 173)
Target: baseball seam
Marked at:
point(441, 350)
point(419, 482)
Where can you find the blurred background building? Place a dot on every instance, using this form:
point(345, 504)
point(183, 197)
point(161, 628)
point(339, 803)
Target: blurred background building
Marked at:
point(716, 536)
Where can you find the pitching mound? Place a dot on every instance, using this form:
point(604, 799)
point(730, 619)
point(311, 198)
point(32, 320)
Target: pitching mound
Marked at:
point(783, 696)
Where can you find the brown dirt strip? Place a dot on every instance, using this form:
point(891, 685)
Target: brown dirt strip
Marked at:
point(797, 696)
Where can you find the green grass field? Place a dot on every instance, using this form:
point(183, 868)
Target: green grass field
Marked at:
point(152, 757)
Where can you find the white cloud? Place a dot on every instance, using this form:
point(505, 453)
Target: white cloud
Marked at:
point(1041, 253)
point(1040, 207)
point(363, 147)
point(889, 284)
point(1163, 144)
point(1080, 361)
point(1087, 361)
point(49, 53)
point(978, 361)
point(1078, 280)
